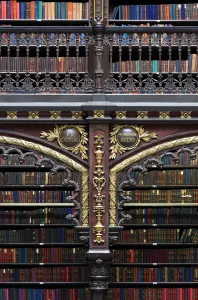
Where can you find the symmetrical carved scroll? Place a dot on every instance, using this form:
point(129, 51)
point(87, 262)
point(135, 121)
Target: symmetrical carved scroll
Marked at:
point(131, 136)
point(99, 184)
point(71, 137)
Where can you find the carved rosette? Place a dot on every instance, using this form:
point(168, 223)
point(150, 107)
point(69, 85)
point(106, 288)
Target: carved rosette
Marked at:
point(99, 185)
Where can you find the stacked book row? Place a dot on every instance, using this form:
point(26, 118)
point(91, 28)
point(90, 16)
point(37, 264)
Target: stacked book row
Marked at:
point(43, 294)
point(156, 12)
point(164, 274)
point(57, 274)
point(160, 236)
point(42, 255)
point(153, 293)
point(173, 255)
point(155, 66)
point(164, 215)
point(43, 64)
point(43, 10)
point(164, 196)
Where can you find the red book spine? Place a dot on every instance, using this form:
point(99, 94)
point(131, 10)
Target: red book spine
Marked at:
point(3, 3)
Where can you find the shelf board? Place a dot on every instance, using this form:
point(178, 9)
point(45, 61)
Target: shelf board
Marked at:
point(128, 187)
point(128, 205)
point(129, 245)
point(111, 21)
point(146, 226)
point(45, 21)
point(152, 265)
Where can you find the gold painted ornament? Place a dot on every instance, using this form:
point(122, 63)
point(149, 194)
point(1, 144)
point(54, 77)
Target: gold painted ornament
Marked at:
point(128, 137)
point(70, 137)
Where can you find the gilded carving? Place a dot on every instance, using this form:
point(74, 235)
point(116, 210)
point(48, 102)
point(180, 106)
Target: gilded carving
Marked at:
point(99, 184)
point(120, 114)
point(142, 114)
point(70, 137)
point(135, 158)
point(127, 137)
point(11, 114)
point(186, 114)
point(33, 114)
point(55, 114)
point(76, 114)
point(164, 115)
point(60, 157)
point(98, 114)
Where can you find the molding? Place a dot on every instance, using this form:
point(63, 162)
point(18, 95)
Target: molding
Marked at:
point(135, 158)
point(60, 157)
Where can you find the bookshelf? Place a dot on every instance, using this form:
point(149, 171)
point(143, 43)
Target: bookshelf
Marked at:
point(159, 237)
point(50, 48)
point(40, 254)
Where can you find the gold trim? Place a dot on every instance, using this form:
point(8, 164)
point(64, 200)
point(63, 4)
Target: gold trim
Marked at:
point(142, 114)
point(11, 114)
point(164, 115)
point(60, 157)
point(98, 114)
point(76, 115)
point(99, 182)
point(186, 114)
point(33, 114)
point(135, 158)
point(81, 147)
point(55, 114)
point(141, 135)
point(120, 114)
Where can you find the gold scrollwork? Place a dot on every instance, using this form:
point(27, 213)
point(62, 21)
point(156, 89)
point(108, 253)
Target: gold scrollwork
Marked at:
point(135, 158)
point(99, 184)
point(140, 135)
point(62, 158)
point(80, 139)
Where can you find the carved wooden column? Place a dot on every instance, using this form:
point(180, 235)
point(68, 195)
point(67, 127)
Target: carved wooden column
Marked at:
point(99, 256)
point(98, 19)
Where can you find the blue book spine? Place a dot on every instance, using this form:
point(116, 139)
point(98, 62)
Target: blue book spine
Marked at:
point(22, 10)
point(182, 12)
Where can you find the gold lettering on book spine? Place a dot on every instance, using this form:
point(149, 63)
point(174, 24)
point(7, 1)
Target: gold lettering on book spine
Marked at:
point(99, 184)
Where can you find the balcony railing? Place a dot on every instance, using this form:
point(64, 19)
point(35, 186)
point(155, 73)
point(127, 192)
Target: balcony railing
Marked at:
point(62, 60)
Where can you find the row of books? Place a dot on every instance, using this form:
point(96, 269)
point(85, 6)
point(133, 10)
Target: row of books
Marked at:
point(156, 235)
point(41, 235)
point(173, 255)
point(156, 12)
point(35, 178)
point(153, 293)
point(15, 10)
point(185, 176)
point(163, 274)
point(43, 64)
point(42, 255)
point(33, 196)
point(155, 66)
point(35, 216)
point(56, 274)
point(164, 196)
point(43, 294)
point(165, 215)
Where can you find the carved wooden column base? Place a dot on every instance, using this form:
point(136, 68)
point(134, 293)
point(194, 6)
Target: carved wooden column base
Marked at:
point(99, 273)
